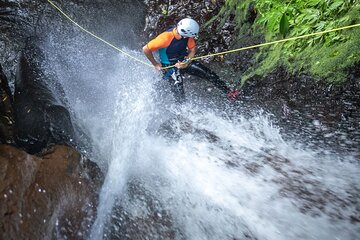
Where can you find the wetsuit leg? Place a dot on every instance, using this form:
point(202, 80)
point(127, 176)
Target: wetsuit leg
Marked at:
point(175, 79)
point(199, 70)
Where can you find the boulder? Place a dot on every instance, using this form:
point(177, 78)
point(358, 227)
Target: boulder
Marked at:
point(50, 196)
point(41, 115)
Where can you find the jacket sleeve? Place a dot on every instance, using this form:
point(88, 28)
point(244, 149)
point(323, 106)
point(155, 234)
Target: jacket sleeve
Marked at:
point(161, 41)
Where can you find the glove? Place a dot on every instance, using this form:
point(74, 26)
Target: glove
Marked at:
point(233, 95)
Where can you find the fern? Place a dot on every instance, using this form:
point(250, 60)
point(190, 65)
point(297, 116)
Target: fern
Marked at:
point(288, 18)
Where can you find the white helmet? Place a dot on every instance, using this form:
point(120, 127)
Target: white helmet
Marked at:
point(188, 27)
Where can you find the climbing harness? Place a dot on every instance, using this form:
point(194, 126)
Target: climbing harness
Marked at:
point(205, 56)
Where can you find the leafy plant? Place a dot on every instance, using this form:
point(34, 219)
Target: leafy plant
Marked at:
point(289, 18)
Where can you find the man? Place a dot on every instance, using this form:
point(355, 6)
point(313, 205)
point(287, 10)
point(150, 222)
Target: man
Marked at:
point(176, 46)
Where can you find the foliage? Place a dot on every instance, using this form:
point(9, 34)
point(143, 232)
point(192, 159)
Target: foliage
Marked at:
point(303, 17)
point(327, 55)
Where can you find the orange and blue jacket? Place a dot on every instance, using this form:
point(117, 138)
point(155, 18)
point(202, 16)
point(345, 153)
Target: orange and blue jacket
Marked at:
point(171, 46)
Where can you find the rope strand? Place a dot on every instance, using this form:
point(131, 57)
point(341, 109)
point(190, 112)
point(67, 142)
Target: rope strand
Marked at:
point(205, 56)
point(95, 36)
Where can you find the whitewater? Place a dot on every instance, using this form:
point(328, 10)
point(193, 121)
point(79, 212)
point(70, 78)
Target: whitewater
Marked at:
point(204, 170)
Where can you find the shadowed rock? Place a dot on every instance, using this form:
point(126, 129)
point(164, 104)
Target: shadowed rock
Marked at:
point(178, 126)
point(6, 111)
point(153, 221)
point(35, 204)
point(40, 118)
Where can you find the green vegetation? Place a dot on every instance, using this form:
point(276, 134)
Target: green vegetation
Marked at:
point(325, 56)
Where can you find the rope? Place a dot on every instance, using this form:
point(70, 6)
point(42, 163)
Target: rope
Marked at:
point(95, 36)
point(209, 55)
point(271, 43)
point(278, 41)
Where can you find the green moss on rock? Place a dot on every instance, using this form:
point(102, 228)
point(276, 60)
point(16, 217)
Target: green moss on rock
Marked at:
point(327, 56)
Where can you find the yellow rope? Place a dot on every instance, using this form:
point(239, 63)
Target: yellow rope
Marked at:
point(278, 41)
point(95, 36)
point(271, 43)
point(209, 55)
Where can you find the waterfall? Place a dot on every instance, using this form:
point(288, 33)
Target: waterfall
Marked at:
point(127, 132)
point(202, 170)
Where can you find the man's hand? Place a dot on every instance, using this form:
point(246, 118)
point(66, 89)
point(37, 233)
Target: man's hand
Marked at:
point(181, 65)
point(158, 66)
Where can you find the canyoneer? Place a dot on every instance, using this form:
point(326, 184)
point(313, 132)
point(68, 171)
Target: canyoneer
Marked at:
point(177, 46)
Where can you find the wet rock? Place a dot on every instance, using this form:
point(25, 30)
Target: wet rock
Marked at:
point(217, 34)
point(179, 126)
point(312, 196)
point(314, 199)
point(252, 167)
point(41, 117)
point(163, 15)
point(16, 25)
point(6, 111)
point(313, 106)
point(149, 221)
point(20, 19)
point(50, 196)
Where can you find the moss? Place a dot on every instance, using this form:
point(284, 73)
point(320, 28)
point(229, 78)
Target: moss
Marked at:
point(267, 61)
point(321, 61)
point(327, 56)
point(332, 62)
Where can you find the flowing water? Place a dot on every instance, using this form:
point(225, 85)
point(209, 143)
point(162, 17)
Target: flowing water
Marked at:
point(198, 172)
point(203, 170)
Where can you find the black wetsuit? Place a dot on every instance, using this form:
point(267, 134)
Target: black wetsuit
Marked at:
point(195, 68)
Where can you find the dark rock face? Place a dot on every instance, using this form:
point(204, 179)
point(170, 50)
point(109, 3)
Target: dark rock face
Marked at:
point(163, 15)
point(53, 195)
point(40, 117)
point(157, 223)
point(215, 35)
point(6, 111)
point(20, 20)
